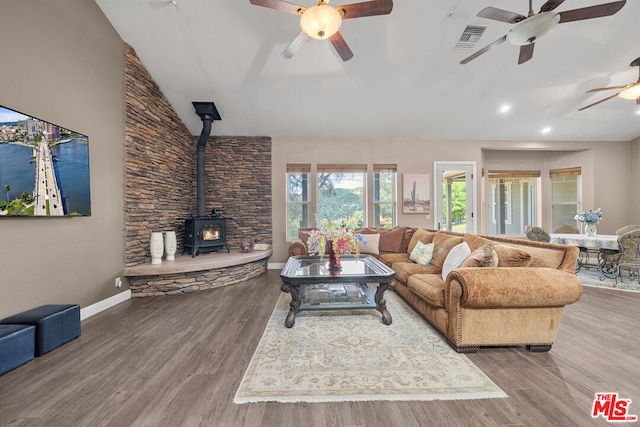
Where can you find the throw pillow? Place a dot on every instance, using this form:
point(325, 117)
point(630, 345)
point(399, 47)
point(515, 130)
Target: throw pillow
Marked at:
point(510, 256)
point(420, 235)
point(485, 256)
point(422, 253)
point(455, 257)
point(442, 244)
point(372, 242)
point(391, 239)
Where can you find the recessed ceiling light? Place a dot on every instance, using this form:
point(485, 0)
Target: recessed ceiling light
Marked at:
point(545, 130)
point(505, 108)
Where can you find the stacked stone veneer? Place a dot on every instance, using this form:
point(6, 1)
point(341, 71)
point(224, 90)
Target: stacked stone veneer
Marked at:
point(160, 181)
point(170, 284)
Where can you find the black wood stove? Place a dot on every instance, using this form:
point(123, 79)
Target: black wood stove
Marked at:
point(204, 233)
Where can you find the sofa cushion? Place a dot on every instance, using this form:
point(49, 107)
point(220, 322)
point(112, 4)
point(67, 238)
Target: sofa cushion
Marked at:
point(442, 244)
point(420, 235)
point(404, 270)
point(390, 258)
point(484, 256)
point(371, 245)
point(455, 257)
point(304, 233)
point(475, 242)
point(422, 253)
point(406, 238)
point(429, 287)
point(510, 256)
point(391, 239)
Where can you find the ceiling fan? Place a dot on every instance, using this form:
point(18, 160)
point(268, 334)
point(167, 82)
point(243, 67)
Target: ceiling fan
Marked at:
point(527, 29)
point(323, 21)
point(630, 91)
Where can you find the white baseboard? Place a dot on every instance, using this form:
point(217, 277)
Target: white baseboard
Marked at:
point(275, 266)
point(96, 308)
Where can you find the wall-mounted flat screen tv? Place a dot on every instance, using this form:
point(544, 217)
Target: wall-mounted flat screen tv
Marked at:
point(44, 168)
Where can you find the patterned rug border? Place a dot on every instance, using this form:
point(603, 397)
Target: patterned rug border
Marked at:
point(395, 303)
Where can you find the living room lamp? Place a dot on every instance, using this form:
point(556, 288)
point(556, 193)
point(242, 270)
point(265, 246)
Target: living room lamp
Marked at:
point(320, 21)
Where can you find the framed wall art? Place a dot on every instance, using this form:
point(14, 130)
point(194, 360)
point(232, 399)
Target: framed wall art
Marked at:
point(44, 168)
point(416, 193)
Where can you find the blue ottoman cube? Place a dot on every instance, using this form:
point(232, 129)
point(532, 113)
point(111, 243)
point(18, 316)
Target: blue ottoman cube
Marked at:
point(17, 346)
point(55, 324)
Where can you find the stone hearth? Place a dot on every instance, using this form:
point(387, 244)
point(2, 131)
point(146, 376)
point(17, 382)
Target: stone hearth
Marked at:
point(187, 274)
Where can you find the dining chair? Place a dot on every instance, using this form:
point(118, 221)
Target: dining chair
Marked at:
point(611, 265)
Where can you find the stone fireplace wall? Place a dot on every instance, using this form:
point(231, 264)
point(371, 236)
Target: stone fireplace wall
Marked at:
point(238, 184)
point(160, 172)
point(160, 164)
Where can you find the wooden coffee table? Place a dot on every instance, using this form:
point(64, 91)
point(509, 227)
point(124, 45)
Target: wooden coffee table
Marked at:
point(314, 287)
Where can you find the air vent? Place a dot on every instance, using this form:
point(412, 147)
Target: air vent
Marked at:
point(470, 37)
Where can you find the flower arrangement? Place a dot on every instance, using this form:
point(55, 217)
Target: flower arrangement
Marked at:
point(343, 240)
point(589, 217)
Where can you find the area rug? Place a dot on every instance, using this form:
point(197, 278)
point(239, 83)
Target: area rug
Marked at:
point(591, 277)
point(337, 356)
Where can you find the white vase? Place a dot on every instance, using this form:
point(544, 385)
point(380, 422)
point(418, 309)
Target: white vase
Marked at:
point(170, 245)
point(590, 230)
point(156, 245)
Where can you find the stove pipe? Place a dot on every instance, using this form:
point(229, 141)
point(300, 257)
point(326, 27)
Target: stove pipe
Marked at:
point(208, 113)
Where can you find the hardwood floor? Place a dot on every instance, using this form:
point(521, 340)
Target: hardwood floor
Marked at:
point(177, 361)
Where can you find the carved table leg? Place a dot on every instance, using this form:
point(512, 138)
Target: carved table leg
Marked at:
point(381, 303)
point(294, 305)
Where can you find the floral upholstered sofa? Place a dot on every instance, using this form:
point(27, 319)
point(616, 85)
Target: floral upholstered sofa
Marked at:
point(478, 291)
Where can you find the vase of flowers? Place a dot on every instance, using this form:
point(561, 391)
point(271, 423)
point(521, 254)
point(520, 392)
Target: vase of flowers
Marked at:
point(589, 218)
point(335, 240)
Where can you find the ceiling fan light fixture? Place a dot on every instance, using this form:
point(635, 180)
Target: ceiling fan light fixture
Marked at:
point(632, 92)
point(532, 28)
point(321, 21)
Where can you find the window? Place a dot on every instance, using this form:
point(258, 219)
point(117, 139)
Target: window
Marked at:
point(341, 190)
point(297, 199)
point(513, 200)
point(501, 191)
point(384, 195)
point(565, 196)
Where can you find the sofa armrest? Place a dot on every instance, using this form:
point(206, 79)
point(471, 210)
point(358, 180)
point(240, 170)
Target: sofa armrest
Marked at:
point(297, 247)
point(513, 287)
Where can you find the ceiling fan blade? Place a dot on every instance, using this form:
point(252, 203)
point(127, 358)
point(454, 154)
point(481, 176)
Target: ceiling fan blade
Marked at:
point(367, 8)
point(501, 15)
point(341, 46)
point(280, 5)
point(295, 45)
point(526, 53)
point(598, 11)
point(484, 49)
point(596, 103)
point(607, 88)
point(551, 5)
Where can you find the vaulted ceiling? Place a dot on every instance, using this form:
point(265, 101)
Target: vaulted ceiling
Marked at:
point(405, 80)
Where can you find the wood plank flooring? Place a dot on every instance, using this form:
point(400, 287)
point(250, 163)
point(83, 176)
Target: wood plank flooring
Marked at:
point(177, 361)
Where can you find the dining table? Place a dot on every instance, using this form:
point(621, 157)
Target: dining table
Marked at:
point(597, 245)
point(599, 241)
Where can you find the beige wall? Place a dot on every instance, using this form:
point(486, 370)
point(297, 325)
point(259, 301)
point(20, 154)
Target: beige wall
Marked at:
point(63, 62)
point(606, 166)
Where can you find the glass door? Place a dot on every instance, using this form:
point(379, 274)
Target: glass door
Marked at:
point(455, 196)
